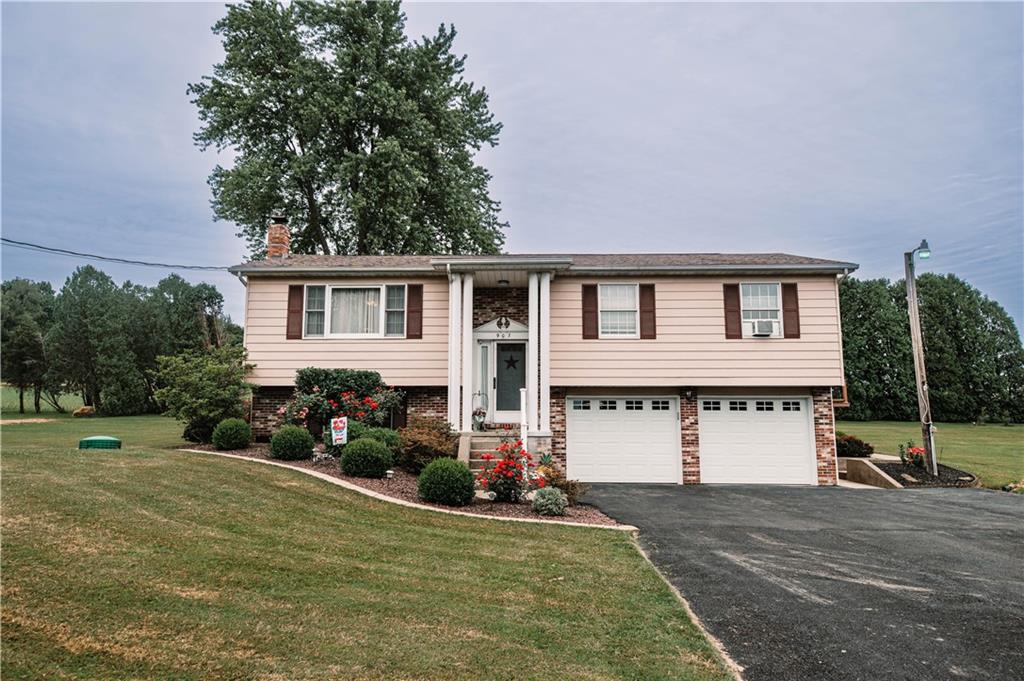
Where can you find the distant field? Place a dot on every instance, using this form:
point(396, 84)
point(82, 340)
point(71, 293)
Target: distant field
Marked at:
point(995, 453)
point(9, 405)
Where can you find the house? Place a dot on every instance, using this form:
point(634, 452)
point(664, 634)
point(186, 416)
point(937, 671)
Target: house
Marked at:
point(676, 368)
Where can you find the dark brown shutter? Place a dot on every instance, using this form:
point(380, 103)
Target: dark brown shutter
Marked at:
point(733, 317)
point(790, 311)
point(295, 295)
point(414, 311)
point(648, 317)
point(590, 310)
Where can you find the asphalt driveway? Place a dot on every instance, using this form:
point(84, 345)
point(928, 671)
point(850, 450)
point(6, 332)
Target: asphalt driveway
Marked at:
point(833, 583)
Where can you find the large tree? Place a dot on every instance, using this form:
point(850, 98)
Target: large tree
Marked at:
point(366, 139)
point(973, 352)
point(27, 308)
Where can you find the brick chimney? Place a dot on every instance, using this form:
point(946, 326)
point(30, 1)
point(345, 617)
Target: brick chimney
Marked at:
point(278, 237)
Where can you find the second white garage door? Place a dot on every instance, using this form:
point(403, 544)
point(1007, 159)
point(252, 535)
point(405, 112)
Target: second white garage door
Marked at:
point(756, 440)
point(623, 439)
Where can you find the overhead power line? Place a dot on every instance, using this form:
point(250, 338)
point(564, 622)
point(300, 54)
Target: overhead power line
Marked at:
point(92, 256)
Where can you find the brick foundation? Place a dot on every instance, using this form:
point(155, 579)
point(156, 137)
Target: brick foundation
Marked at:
point(491, 303)
point(427, 401)
point(266, 400)
point(825, 436)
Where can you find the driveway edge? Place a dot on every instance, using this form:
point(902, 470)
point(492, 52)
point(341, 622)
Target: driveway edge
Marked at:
point(731, 665)
point(402, 502)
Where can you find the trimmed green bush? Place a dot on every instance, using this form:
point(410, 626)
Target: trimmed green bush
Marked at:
point(849, 445)
point(549, 501)
point(291, 443)
point(388, 436)
point(446, 481)
point(232, 434)
point(365, 458)
point(359, 431)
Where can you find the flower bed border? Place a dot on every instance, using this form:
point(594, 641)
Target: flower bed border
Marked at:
point(402, 502)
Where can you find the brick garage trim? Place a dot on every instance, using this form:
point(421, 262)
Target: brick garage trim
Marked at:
point(824, 436)
point(558, 426)
point(266, 400)
point(689, 434)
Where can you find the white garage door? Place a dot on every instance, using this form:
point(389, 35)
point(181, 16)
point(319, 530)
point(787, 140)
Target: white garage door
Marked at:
point(756, 440)
point(623, 439)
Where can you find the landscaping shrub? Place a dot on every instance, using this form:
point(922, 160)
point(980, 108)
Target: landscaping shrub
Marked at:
point(232, 434)
point(365, 458)
point(322, 394)
point(202, 389)
point(446, 481)
point(554, 477)
point(424, 440)
point(849, 445)
point(549, 501)
point(512, 476)
point(291, 443)
point(358, 431)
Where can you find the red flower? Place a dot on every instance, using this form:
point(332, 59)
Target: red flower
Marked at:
point(360, 414)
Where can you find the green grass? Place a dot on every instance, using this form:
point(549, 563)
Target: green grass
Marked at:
point(995, 453)
point(9, 405)
point(150, 563)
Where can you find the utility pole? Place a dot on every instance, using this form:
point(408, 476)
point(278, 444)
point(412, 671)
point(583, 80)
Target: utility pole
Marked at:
point(917, 341)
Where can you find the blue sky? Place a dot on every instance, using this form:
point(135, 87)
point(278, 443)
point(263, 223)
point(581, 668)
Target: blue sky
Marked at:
point(845, 131)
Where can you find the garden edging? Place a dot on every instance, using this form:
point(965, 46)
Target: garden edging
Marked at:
point(403, 502)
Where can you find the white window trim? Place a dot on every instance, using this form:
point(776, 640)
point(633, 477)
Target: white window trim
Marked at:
point(618, 336)
point(382, 324)
point(745, 324)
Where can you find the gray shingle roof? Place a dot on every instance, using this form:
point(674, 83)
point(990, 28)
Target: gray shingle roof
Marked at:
point(570, 261)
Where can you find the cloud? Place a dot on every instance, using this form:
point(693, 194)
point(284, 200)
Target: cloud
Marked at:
point(842, 130)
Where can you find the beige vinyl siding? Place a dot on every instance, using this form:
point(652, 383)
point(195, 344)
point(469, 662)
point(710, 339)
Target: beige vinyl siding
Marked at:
point(400, 361)
point(691, 348)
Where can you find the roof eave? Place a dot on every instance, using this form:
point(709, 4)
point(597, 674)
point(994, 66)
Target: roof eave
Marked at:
point(285, 270)
point(806, 268)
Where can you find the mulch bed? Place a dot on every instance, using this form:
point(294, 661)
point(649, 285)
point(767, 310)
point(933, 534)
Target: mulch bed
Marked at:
point(947, 477)
point(404, 486)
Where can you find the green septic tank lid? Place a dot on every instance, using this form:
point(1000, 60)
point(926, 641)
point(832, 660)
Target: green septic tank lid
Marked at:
point(99, 442)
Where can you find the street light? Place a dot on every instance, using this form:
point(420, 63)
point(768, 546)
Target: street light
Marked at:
point(916, 340)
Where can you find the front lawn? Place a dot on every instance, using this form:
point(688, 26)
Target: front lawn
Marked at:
point(148, 563)
point(995, 453)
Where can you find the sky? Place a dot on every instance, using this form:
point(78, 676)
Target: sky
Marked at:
point(846, 131)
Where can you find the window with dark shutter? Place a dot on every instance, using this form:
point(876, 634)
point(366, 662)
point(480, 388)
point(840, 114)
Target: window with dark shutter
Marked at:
point(733, 315)
point(648, 316)
point(590, 310)
point(790, 311)
point(414, 311)
point(294, 327)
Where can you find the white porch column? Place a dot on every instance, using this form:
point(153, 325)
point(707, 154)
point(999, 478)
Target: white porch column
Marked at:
point(454, 347)
point(467, 352)
point(545, 353)
point(533, 352)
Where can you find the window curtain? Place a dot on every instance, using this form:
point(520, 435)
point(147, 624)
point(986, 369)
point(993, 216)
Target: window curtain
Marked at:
point(355, 310)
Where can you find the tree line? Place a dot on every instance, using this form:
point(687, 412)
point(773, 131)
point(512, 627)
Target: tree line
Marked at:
point(101, 340)
point(973, 352)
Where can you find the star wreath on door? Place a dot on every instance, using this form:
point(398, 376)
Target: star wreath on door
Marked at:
point(511, 363)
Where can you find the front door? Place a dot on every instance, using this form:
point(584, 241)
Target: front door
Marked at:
point(509, 379)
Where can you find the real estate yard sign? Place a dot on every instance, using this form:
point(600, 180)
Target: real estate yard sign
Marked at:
point(339, 430)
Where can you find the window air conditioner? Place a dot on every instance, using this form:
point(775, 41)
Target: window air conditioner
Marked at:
point(763, 328)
